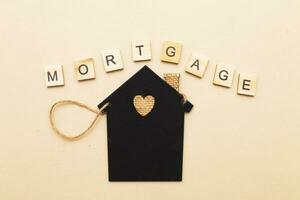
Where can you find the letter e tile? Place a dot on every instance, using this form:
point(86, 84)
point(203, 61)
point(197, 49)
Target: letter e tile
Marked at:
point(247, 85)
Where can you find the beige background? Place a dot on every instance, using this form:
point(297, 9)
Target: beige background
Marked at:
point(236, 147)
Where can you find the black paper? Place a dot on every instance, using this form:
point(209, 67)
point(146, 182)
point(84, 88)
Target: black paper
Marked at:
point(148, 148)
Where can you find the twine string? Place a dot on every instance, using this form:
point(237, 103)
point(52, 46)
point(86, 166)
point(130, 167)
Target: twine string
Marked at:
point(81, 105)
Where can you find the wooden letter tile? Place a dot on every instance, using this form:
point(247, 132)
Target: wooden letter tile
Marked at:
point(171, 52)
point(54, 75)
point(141, 50)
point(223, 75)
point(112, 60)
point(247, 85)
point(197, 65)
point(85, 69)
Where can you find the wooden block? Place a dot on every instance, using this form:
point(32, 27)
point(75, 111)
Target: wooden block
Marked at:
point(223, 75)
point(173, 80)
point(197, 65)
point(141, 50)
point(85, 69)
point(54, 75)
point(247, 85)
point(112, 60)
point(171, 52)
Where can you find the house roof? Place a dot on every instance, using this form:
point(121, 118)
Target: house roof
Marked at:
point(144, 78)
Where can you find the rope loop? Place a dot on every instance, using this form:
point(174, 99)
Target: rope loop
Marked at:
point(76, 103)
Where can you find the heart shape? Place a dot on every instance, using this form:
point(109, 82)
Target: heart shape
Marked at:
point(143, 105)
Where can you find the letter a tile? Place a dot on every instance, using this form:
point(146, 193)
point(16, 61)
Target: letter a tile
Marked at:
point(197, 65)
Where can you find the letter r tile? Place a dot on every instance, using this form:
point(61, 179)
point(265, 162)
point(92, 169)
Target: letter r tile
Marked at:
point(112, 60)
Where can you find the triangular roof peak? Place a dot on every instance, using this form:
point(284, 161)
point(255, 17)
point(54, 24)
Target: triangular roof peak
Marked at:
point(144, 76)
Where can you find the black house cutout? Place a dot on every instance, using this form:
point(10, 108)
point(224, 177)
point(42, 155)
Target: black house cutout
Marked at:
point(150, 147)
